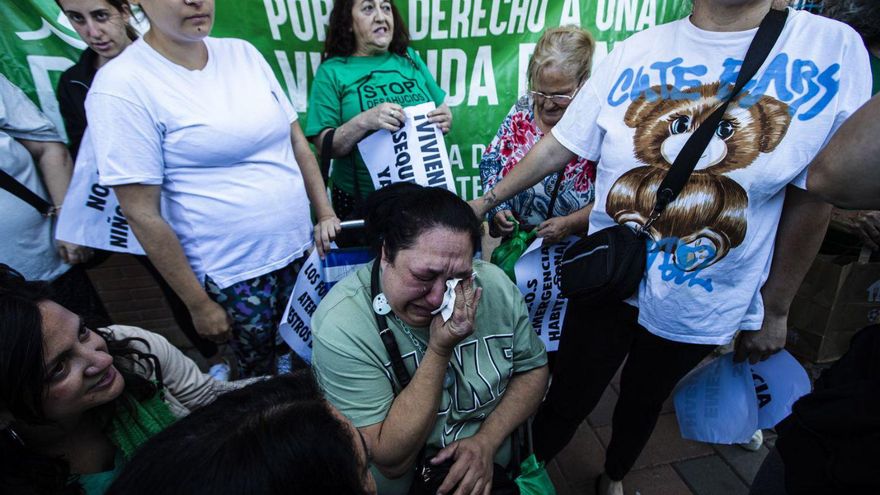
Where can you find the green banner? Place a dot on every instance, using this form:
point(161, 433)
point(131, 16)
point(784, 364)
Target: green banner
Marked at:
point(476, 49)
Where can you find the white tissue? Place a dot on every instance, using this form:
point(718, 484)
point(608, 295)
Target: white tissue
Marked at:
point(448, 303)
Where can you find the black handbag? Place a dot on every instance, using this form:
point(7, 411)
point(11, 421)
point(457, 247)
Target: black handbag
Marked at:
point(608, 265)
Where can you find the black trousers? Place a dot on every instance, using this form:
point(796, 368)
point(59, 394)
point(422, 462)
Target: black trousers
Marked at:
point(594, 343)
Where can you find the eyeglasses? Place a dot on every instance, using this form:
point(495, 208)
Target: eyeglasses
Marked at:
point(560, 100)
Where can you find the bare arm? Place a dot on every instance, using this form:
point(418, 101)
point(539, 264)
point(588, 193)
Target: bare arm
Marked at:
point(801, 230)
point(55, 165)
point(398, 439)
point(846, 172)
point(474, 457)
point(387, 116)
point(558, 228)
point(140, 203)
point(327, 225)
point(546, 157)
point(56, 168)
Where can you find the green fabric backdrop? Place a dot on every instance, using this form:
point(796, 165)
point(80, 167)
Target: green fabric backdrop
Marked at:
point(477, 50)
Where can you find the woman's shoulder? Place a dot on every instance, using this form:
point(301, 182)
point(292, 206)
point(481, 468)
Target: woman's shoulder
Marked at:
point(234, 45)
point(122, 74)
point(347, 302)
point(144, 340)
point(83, 71)
point(523, 105)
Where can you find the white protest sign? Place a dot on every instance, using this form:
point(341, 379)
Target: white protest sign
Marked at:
point(309, 289)
point(91, 215)
point(415, 153)
point(537, 277)
point(314, 280)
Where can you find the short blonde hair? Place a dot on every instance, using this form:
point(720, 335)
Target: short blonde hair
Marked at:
point(569, 48)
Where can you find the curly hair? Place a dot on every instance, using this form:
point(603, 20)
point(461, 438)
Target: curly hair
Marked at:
point(341, 40)
point(861, 15)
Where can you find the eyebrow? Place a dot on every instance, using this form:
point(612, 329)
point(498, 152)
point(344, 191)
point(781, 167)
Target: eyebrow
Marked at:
point(52, 362)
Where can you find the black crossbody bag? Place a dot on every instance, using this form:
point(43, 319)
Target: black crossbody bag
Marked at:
point(608, 265)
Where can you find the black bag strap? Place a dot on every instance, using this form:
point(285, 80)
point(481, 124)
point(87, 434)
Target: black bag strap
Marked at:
point(555, 192)
point(326, 153)
point(684, 164)
point(9, 183)
point(385, 333)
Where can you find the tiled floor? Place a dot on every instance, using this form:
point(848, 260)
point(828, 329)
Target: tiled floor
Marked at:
point(669, 465)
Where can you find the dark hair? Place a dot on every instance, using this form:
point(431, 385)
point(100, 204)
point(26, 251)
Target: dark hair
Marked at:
point(341, 41)
point(398, 214)
point(23, 382)
point(122, 6)
point(278, 436)
point(861, 15)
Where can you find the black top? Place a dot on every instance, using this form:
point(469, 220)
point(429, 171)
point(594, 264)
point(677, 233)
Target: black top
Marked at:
point(72, 89)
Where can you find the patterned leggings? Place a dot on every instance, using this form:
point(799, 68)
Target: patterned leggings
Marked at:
point(256, 306)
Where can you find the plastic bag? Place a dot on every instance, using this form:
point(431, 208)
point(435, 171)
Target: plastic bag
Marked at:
point(779, 382)
point(533, 478)
point(506, 255)
point(716, 403)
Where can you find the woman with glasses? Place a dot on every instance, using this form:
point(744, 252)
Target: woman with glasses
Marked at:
point(560, 64)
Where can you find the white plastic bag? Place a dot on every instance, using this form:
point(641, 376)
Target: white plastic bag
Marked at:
point(716, 403)
point(779, 382)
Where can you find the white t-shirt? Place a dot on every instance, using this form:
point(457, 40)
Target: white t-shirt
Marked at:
point(26, 242)
point(218, 142)
point(713, 246)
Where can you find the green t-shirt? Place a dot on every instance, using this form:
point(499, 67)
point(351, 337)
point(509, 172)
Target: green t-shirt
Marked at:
point(354, 370)
point(346, 86)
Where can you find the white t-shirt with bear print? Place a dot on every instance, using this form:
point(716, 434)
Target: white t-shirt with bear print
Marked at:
point(712, 249)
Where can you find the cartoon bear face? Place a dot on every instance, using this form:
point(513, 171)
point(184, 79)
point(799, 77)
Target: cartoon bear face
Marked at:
point(663, 126)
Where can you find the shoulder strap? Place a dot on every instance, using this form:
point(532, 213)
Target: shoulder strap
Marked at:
point(683, 166)
point(555, 192)
point(385, 333)
point(9, 183)
point(327, 153)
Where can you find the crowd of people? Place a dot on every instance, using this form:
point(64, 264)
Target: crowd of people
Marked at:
point(425, 364)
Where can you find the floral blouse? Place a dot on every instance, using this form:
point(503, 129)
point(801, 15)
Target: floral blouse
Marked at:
point(518, 133)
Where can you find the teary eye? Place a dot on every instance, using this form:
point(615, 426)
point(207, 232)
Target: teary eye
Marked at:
point(725, 129)
point(680, 125)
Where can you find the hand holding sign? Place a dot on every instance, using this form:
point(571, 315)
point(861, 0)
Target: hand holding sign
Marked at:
point(442, 117)
point(388, 116)
point(414, 153)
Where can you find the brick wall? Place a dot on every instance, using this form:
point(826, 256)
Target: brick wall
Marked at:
point(132, 297)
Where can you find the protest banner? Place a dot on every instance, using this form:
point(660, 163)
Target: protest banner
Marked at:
point(309, 289)
point(91, 215)
point(477, 50)
point(537, 276)
point(415, 153)
point(314, 280)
